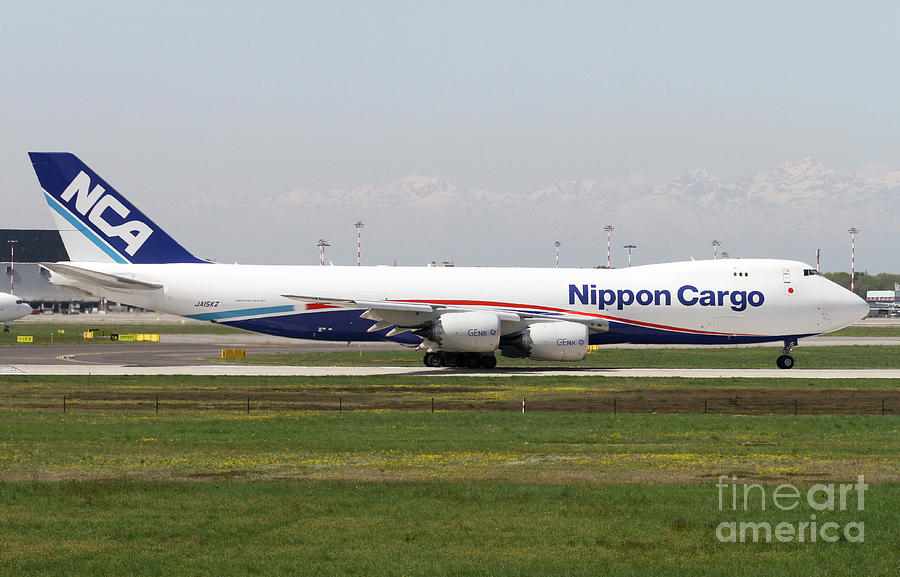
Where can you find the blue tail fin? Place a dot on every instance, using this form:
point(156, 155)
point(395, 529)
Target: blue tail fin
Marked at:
point(96, 223)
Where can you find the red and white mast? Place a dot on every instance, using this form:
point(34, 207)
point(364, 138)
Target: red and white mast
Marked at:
point(359, 225)
point(322, 244)
point(12, 264)
point(608, 228)
point(629, 247)
point(853, 230)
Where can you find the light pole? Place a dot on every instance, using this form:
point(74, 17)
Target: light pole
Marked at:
point(608, 228)
point(629, 247)
point(557, 244)
point(853, 230)
point(322, 244)
point(715, 245)
point(359, 225)
point(12, 264)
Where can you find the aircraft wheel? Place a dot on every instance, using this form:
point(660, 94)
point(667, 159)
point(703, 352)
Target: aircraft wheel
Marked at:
point(489, 361)
point(473, 361)
point(433, 360)
point(785, 362)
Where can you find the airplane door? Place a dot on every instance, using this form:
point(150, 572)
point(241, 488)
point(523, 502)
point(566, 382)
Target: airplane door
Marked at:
point(786, 278)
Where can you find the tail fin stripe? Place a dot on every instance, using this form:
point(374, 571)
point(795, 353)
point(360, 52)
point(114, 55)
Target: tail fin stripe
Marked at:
point(64, 212)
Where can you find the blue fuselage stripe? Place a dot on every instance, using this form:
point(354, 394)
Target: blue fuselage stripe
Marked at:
point(242, 313)
point(347, 325)
point(80, 227)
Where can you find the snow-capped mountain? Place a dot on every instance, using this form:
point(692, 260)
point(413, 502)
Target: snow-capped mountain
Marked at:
point(786, 211)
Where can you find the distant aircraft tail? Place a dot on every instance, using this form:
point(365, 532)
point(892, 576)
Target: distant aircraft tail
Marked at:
point(96, 223)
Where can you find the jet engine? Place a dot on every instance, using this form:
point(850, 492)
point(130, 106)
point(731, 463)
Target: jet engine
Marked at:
point(469, 332)
point(550, 341)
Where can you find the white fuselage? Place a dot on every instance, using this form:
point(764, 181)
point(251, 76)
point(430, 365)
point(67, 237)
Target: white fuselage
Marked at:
point(691, 302)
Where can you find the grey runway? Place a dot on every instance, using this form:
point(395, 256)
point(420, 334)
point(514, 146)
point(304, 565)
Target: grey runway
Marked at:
point(196, 354)
point(195, 350)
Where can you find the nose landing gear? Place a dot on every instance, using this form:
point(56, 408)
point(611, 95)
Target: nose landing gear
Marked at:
point(786, 359)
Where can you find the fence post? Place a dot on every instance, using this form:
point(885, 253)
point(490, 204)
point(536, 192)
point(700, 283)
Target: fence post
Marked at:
point(64, 403)
point(704, 406)
point(882, 407)
point(157, 403)
point(614, 405)
point(248, 404)
point(340, 403)
point(432, 404)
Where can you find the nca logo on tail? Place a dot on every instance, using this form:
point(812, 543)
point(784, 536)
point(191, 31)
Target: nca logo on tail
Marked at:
point(93, 203)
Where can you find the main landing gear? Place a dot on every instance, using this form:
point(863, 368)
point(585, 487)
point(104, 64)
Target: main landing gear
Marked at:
point(467, 360)
point(786, 359)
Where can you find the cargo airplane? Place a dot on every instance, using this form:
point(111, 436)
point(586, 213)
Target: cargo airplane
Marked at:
point(458, 316)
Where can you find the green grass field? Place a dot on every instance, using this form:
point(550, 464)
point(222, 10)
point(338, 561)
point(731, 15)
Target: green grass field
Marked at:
point(866, 331)
point(750, 357)
point(417, 392)
point(436, 528)
point(386, 487)
point(470, 446)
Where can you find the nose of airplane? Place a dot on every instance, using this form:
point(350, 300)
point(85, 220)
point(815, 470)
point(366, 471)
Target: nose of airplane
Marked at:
point(851, 307)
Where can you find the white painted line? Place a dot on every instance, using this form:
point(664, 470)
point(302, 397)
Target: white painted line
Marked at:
point(296, 371)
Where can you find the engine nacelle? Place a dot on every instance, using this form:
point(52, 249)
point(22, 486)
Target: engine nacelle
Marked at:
point(550, 341)
point(471, 332)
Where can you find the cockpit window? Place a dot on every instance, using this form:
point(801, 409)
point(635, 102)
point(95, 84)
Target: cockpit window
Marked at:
point(811, 272)
point(20, 302)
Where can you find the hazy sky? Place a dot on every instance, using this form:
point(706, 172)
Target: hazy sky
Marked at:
point(223, 98)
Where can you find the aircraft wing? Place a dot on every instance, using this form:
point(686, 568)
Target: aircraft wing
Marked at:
point(395, 305)
point(107, 280)
point(403, 316)
point(362, 304)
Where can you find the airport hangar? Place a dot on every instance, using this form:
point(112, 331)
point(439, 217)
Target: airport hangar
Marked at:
point(29, 280)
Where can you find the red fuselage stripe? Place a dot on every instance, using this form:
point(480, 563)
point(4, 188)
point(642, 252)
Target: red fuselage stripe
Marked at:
point(557, 310)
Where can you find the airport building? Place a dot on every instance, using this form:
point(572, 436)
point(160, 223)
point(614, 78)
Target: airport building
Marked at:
point(22, 250)
point(884, 303)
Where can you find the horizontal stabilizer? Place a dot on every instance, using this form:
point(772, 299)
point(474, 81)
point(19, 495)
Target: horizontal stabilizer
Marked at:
point(100, 278)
